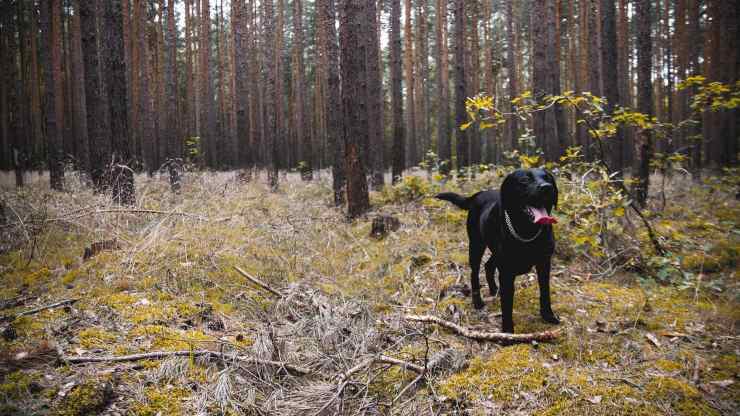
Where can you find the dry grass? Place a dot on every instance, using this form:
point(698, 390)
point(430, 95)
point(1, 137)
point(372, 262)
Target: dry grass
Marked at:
point(171, 286)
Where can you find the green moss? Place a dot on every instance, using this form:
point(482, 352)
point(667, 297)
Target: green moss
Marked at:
point(668, 366)
point(36, 278)
point(518, 365)
point(70, 276)
point(88, 398)
point(96, 338)
point(683, 398)
point(15, 385)
point(162, 401)
point(169, 339)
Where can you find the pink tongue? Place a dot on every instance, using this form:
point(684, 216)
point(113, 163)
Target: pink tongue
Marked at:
point(541, 217)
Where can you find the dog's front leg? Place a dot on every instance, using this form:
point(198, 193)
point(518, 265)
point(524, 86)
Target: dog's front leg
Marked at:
point(543, 278)
point(507, 300)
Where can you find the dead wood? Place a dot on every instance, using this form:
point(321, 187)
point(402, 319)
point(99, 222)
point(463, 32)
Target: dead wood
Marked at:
point(384, 224)
point(158, 355)
point(258, 282)
point(37, 310)
point(482, 335)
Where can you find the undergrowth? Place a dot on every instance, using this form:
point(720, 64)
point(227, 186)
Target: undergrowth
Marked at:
point(643, 333)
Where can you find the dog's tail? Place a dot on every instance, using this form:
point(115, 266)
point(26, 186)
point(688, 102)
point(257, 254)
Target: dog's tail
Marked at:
point(459, 200)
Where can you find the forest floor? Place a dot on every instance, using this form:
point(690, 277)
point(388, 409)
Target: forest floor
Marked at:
point(634, 340)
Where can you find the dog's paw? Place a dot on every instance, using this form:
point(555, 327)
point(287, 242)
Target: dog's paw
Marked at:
point(478, 302)
point(494, 290)
point(550, 317)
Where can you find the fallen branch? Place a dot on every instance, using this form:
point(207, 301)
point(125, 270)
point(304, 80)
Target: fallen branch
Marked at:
point(186, 353)
point(484, 336)
point(258, 282)
point(39, 309)
point(343, 379)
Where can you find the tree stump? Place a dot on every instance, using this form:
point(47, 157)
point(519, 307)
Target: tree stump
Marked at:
point(384, 224)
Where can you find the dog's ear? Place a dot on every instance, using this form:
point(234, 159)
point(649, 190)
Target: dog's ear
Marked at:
point(551, 179)
point(509, 191)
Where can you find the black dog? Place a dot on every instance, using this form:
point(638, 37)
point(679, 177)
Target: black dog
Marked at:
point(515, 224)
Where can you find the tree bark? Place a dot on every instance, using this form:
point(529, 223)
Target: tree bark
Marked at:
point(408, 63)
point(399, 142)
point(122, 176)
point(334, 122)
point(302, 136)
point(644, 142)
point(610, 66)
point(511, 66)
point(98, 133)
point(375, 98)
point(353, 25)
point(444, 151)
point(51, 61)
point(241, 74)
point(463, 150)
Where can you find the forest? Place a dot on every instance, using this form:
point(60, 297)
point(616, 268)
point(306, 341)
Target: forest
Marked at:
point(237, 207)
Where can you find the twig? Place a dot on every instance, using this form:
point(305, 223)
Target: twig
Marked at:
point(485, 336)
point(39, 309)
point(343, 379)
point(258, 282)
point(185, 353)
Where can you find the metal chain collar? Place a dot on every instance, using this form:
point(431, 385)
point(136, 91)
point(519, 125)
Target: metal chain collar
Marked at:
point(514, 234)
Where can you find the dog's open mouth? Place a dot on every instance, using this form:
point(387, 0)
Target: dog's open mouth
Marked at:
point(540, 216)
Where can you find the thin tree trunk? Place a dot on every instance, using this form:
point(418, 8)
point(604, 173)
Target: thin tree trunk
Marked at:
point(463, 156)
point(334, 122)
point(408, 63)
point(513, 73)
point(122, 176)
point(422, 78)
point(51, 60)
point(610, 66)
point(399, 142)
point(302, 136)
point(374, 98)
point(444, 149)
point(353, 26)
point(643, 143)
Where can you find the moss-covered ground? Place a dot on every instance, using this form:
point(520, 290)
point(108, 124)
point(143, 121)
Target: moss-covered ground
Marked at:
point(649, 337)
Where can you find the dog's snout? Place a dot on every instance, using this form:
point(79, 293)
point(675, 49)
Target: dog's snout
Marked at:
point(544, 186)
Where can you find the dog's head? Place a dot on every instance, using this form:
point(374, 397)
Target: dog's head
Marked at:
point(532, 192)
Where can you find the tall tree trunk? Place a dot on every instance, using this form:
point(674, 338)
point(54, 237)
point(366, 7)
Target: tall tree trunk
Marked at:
point(473, 81)
point(206, 104)
point(172, 132)
point(422, 78)
point(694, 38)
point(623, 76)
point(284, 154)
point(122, 177)
point(643, 143)
point(374, 97)
point(463, 156)
point(335, 125)
point(37, 134)
point(270, 132)
point(408, 63)
point(353, 27)
point(489, 79)
point(399, 142)
point(302, 136)
point(78, 84)
point(146, 128)
point(51, 60)
point(98, 133)
point(444, 149)
point(241, 74)
point(610, 65)
point(512, 71)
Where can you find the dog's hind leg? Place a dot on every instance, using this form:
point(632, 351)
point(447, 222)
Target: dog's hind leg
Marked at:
point(475, 255)
point(491, 275)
